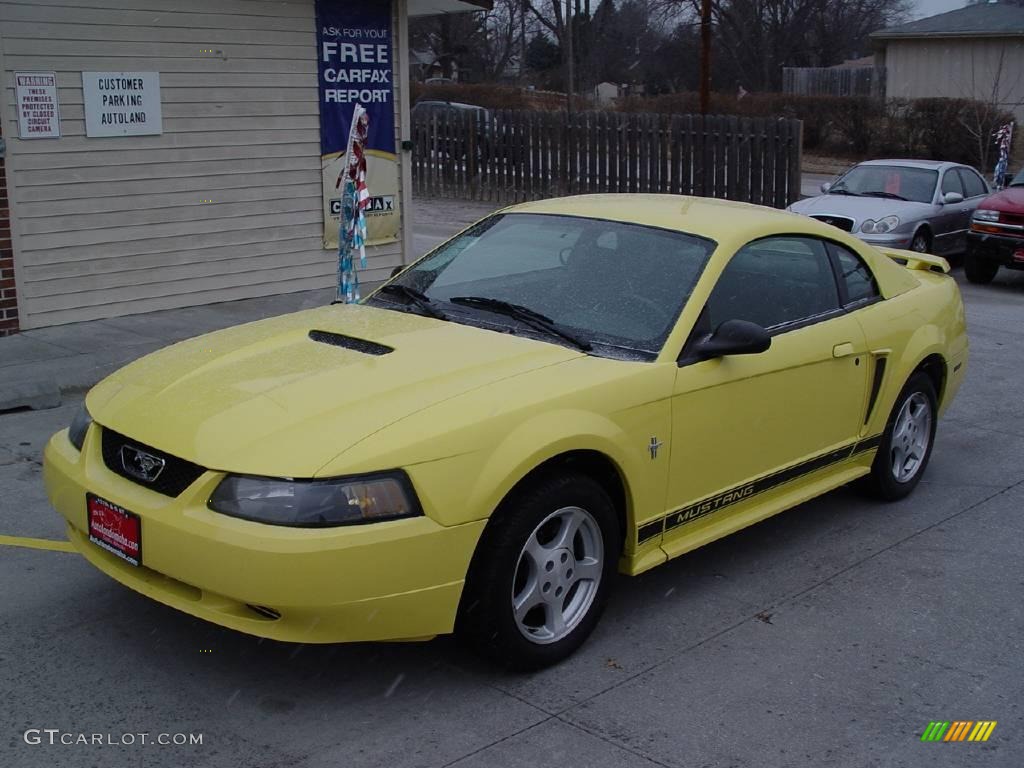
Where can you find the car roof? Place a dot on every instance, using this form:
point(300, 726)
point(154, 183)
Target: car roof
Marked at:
point(933, 165)
point(440, 103)
point(719, 220)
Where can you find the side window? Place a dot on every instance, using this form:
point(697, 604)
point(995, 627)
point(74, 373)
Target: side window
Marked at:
point(974, 186)
point(951, 183)
point(775, 281)
point(855, 275)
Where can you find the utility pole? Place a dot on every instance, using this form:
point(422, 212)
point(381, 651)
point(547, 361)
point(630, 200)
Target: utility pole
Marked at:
point(522, 41)
point(705, 56)
point(570, 77)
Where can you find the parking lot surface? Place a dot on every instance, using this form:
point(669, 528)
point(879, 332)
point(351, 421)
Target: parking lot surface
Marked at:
point(830, 635)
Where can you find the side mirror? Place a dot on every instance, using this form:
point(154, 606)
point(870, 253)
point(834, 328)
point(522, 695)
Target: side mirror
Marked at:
point(952, 197)
point(826, 187)
point(397, 270)
point(734, 337)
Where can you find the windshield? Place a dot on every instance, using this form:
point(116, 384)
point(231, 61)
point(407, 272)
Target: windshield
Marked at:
point(1018, 180)
point(608, 283)
point(892, 181)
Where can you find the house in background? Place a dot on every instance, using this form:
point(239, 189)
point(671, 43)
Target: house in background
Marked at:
point(975, 52)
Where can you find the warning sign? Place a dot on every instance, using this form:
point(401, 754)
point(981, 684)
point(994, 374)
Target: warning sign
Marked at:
point(38, 112)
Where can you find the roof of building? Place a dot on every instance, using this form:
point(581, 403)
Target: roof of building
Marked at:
point(980, 20)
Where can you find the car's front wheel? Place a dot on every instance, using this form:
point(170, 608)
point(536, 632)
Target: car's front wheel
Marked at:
point(921, 242)
point(542, 572)
point(907, 441)
point(978, 270)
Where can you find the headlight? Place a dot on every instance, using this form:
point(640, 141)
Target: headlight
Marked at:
point(880, 227)
point(316, 503)
point(981, 215)
point(79, 427)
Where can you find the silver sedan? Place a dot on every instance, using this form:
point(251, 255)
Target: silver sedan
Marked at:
point(920, 205)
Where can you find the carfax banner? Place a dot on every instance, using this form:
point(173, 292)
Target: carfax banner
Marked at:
point(356, 67)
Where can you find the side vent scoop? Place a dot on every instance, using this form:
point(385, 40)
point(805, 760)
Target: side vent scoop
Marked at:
point(350, 342)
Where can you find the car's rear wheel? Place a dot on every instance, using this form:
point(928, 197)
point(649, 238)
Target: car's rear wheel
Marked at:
point(542, 572)
point(907, 441)
point(979, 270)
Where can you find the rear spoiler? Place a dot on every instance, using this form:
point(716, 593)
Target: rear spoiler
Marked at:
point(915, 260)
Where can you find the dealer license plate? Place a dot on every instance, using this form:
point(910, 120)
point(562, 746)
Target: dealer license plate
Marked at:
point(115, 529)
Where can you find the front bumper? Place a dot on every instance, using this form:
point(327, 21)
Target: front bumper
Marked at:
point(385, 581)
point(997, 248)
point(891, 240)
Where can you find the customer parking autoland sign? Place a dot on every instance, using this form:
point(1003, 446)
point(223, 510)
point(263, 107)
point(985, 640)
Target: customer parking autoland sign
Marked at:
point(356, 67)
point(122, 103)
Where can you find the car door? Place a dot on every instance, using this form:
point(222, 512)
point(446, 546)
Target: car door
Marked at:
point(949, 220)
point(739, 420)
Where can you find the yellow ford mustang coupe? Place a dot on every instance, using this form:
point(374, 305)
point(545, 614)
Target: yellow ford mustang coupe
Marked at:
point(564, 390)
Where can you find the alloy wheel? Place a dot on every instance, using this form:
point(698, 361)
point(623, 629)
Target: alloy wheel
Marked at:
point(557, 575)
point(910, 437)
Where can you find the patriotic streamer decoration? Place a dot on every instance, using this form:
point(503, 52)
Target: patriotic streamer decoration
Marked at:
point(1003, 138)
point(354, 198)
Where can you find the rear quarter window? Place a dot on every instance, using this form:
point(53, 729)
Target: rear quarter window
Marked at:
point(855, 275)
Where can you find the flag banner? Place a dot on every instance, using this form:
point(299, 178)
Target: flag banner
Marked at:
point(355, 197)
point(356, 60)
point(1003, 137)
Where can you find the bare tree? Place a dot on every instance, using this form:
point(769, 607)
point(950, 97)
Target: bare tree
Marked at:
point(993, 91)
point(756, 38)
point(482, 46)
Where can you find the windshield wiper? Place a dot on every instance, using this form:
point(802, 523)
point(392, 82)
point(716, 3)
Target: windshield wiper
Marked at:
point(834, 191)
point(888, 195)
point(523, 314)
point(418, 298)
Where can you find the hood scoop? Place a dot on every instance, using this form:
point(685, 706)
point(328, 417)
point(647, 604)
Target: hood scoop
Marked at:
point(350, 342)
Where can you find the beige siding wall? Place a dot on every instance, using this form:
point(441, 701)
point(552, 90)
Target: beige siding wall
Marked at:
point(958, 68)
point(114, 226)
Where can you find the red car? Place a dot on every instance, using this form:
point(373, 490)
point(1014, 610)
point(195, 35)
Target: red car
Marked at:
point(996, 236)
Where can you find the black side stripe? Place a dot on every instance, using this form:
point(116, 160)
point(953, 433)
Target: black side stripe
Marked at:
point(743, 492)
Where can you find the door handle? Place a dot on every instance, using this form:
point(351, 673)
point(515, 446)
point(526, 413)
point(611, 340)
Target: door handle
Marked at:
point(843, 350)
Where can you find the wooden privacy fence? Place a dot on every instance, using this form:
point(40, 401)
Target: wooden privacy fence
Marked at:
point(834, 81)
point(510, 156)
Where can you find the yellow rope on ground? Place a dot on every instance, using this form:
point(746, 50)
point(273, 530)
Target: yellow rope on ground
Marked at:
point(24, 541)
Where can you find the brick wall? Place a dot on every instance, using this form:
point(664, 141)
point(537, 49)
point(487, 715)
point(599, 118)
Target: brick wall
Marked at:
point(8, 293)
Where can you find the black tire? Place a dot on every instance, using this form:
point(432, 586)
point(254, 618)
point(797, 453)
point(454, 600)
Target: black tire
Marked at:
point(486, 617)
point(922, 242)
point(883, 481)
point(979, 271)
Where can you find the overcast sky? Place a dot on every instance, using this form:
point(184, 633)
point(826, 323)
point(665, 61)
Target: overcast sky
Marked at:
point(931, 7)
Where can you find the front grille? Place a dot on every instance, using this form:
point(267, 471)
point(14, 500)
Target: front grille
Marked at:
point(176, 475)
point(841, 222)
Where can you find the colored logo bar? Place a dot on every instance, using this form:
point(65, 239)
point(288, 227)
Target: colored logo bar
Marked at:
point(958, 730)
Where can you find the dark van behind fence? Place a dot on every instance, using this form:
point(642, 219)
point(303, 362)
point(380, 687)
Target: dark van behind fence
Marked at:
point(509, 156)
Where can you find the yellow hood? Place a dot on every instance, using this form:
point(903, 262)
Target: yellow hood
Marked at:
point(266, 399)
